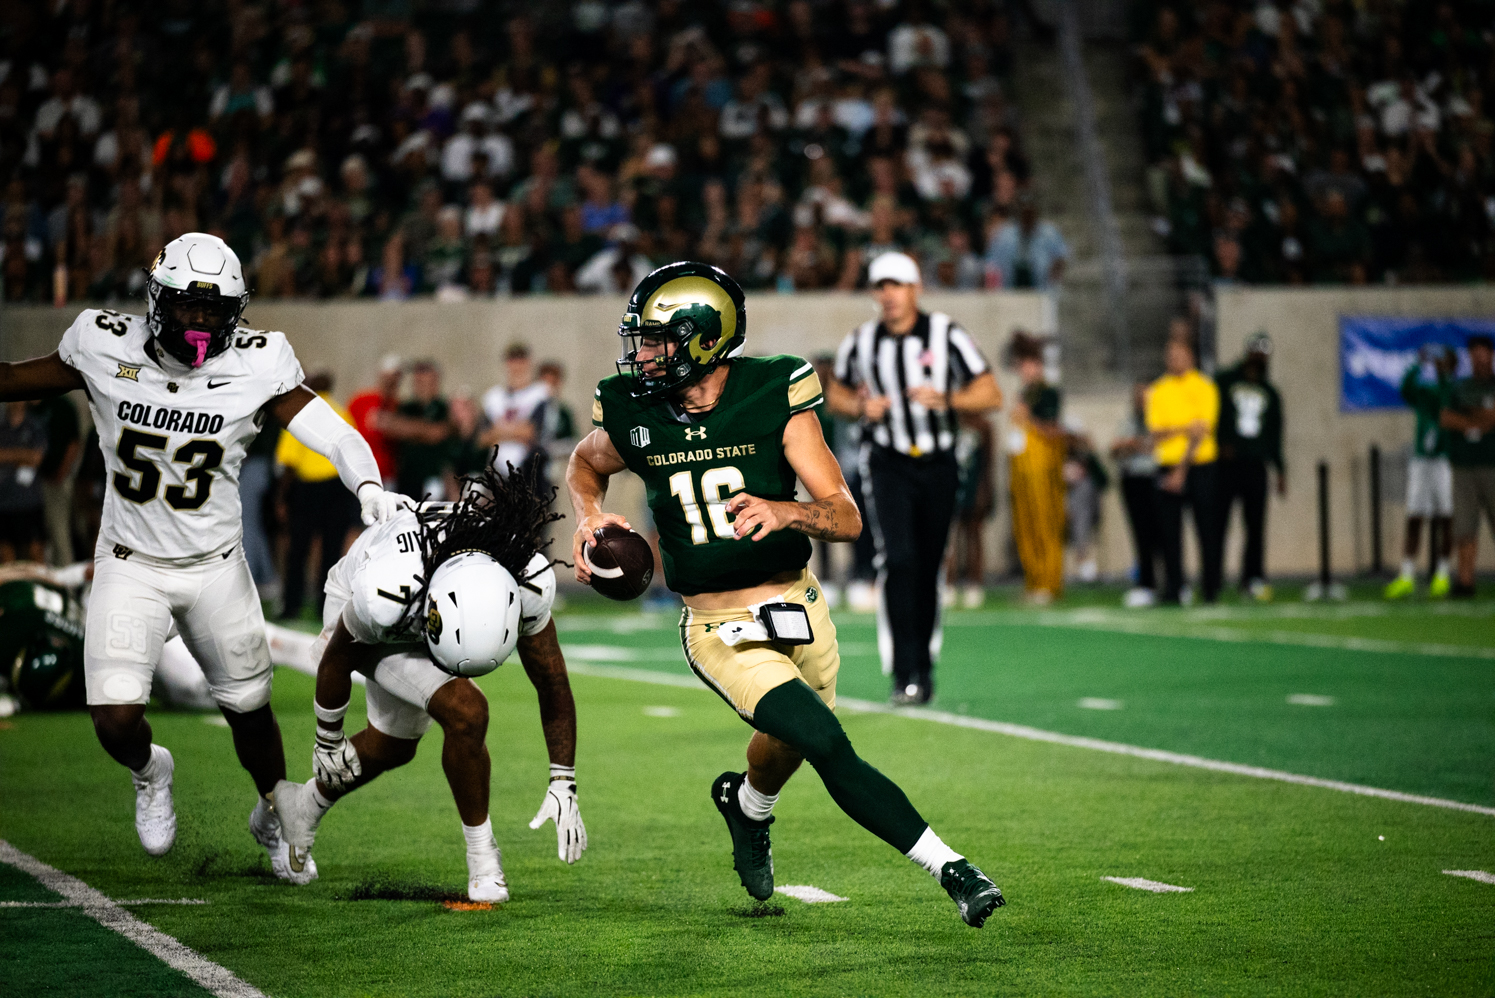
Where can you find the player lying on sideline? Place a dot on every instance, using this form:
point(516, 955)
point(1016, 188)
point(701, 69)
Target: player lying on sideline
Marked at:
point(489, 587)
point(43, 612)
point(177, 395)
point(719, 439)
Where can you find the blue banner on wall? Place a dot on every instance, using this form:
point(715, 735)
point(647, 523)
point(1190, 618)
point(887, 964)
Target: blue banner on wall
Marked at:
point(1375, 352)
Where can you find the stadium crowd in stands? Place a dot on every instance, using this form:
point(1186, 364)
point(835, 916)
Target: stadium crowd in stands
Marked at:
point(1322, 141)
point(461, 148)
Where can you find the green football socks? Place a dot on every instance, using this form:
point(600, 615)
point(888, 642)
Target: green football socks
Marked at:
point(793, 714)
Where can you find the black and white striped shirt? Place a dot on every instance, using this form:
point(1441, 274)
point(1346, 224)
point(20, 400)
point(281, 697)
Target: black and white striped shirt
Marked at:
point(935, 352)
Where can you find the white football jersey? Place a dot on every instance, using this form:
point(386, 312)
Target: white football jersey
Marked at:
point(381, 568)
point(173, 436)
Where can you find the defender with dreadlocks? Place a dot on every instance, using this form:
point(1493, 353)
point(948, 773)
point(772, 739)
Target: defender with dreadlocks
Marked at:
point(435, 596)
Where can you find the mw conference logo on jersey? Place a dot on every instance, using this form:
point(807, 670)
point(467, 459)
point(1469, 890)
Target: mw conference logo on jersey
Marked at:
point(170, 420)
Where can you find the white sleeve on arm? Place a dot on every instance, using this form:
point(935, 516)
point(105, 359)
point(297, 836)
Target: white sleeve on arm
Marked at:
point(319, 427)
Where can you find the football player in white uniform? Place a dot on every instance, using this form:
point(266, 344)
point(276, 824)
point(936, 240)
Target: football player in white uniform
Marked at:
point(489, 590)
point(177, 395)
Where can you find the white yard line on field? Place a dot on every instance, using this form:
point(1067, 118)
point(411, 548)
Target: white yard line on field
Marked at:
point(79, 904)
point(1480, 875)
point(1055, 738)
point(807, 894)
point(1143, 884)
point(110, 915)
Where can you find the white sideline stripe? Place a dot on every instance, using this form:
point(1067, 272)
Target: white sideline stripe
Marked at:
point(110, 915)
point(1055, 738)
point(1480, 875)
point(78, 904)
point(1143, 884)
point(807, 894)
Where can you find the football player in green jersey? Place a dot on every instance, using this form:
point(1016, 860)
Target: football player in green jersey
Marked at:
point(719, 439)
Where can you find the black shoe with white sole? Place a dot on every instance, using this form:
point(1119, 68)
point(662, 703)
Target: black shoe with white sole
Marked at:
point(972, 891)
point(752, 856)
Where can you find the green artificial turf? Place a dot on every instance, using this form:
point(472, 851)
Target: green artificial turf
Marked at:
point(1297, 890)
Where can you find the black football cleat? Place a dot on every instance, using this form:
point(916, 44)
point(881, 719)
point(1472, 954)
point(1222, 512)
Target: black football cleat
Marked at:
point(752, 856)
point(972, 891)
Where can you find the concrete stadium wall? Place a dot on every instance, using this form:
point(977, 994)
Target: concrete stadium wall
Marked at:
point(467, 339)
point(1304, 325)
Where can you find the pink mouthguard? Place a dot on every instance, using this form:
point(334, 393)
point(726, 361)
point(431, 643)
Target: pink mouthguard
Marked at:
point(198, 338)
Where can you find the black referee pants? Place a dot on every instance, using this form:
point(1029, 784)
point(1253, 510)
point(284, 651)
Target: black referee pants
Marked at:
point(911, 502)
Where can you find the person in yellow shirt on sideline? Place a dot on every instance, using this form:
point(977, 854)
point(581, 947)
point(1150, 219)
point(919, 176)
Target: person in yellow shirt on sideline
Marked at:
point(316, 504)
point(1183, 407)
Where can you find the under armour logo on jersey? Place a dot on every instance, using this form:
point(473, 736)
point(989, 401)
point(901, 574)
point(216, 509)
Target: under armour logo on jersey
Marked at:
point(129, 373)
point(639, 437)
point(699, 434)
point(121, 552)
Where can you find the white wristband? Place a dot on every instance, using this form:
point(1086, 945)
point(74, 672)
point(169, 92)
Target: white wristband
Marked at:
point(331, 717)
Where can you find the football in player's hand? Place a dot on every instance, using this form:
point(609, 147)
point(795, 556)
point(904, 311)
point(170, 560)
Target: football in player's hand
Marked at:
point(621, 562)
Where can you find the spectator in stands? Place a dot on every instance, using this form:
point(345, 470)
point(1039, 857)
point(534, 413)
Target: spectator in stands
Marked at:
point(1132, 451)
point(325, 154)
point(318, 507)
point(1469, 416)
point(516, 412)
point(1028, 253)
point(23, 444)
point(1250, 441)
point(383, 397)
point(1036, 446)
point(1183, 410)
point(420, 427)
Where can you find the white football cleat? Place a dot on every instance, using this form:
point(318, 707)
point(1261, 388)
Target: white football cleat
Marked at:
point(485, 875)
point(299, 817)
point(155, 817)
point(264, 825)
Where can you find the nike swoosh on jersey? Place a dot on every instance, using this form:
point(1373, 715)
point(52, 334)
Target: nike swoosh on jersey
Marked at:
point(218, 385)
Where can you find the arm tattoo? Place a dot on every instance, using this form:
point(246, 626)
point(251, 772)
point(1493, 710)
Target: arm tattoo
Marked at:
point(546, 668)
point(820, 520)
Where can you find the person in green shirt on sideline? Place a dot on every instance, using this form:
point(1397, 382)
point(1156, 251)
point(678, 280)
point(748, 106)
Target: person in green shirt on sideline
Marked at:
point(1469, 416)
point(1425, 387)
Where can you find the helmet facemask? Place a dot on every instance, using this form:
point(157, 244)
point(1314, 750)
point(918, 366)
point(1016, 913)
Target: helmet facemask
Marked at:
point(193, 323)
point(664, 358)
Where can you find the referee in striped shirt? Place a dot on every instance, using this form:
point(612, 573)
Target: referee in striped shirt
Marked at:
point(905, 377)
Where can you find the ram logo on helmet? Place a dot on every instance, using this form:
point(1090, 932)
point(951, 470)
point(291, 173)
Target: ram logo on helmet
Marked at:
point(683, 320)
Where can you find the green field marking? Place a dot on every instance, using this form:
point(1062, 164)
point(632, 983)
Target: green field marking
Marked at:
point(1296, 891)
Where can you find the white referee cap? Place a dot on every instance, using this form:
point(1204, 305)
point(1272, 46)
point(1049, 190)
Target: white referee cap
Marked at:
point(898, 267)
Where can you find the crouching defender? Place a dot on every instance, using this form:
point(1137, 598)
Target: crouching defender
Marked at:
point(468, 580)
point(719, 439)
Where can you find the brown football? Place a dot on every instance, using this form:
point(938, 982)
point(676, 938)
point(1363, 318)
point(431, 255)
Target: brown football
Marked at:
point(621, 562)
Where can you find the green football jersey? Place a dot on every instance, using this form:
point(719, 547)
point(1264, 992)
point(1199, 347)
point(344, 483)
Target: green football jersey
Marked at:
point(692, 468)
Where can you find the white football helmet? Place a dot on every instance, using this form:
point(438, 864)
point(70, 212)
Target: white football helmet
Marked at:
point(472, 614)
point(194, 297)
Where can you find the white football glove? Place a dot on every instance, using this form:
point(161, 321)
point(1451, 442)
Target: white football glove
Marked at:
point(334, 760)
point(560, 807)
point(375, 505)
